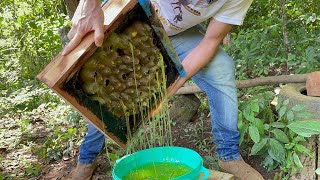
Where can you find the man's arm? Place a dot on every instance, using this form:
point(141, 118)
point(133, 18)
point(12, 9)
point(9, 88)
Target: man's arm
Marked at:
point(200, 56)
point(88, 17)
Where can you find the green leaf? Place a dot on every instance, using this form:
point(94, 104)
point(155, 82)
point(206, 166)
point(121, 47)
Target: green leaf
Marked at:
point(33, 25)
point(298, 107)
point(310, 52)
point(112, 157)
point(255, 107)
point(290, 115)
point(240, 120)
point(298, 139)
point(277, 150)
point(259, 124)
point(297, 160)
point(318, 171)
point(302, 149)
point(280, 135)
point(286, 102)
point(305, 128)
point(305, 115)
point(289, 146)
point(258, 146)
point(282, 111)
point(254, 133)
point(289, 160)
point(278, 125)
point(243, 131)
point(268, 162)
point(249, 117)
point(278, 104)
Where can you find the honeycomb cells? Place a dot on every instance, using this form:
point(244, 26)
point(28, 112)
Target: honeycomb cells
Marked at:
point(121, 77)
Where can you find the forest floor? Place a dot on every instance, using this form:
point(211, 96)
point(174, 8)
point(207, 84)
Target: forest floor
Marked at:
point(26, 141)
point(186, 134)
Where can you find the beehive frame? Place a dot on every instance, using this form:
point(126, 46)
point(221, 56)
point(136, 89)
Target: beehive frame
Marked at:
point(62, 68)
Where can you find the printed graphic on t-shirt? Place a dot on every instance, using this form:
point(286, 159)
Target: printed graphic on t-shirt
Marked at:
point(179, 7)
point(179, 15)
point(185, 3)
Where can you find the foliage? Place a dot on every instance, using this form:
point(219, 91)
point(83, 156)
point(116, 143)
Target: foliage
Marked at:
point(59, 144)
point(195, 133)
point(258, 48)
point(29, 39)
point(277, 138)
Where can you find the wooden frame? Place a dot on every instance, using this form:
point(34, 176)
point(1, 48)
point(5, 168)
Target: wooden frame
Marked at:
point(62, 68)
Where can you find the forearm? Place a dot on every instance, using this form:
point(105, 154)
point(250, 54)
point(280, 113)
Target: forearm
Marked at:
point(200, 56)
point(91, 2)
point(88, 5)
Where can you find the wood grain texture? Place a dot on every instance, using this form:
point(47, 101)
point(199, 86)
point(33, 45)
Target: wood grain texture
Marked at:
point(262, 81)
point(87, 114)
point(62, 68)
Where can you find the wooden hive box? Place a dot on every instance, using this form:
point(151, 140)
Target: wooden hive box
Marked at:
point(60, 72)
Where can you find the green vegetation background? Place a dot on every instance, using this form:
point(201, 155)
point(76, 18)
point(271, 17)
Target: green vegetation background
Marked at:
point(29, 40)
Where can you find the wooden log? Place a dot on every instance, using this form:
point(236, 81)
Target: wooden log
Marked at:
point(263, 81)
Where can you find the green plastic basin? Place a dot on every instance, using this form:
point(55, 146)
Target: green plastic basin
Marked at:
point(170, 154)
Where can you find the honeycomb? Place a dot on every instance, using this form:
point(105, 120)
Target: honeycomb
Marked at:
point(124, 73)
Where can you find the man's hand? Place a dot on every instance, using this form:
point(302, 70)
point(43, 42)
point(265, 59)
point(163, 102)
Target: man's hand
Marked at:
point(88, 17)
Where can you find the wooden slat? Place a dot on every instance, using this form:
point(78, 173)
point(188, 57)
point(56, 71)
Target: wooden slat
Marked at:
point(86, 113)
point(63, 67)
point(114, 8)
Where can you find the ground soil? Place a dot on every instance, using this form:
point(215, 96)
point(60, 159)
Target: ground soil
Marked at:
point(181, 133)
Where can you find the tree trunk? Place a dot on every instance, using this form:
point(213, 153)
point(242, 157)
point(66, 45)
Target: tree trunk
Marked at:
point(71, 6)
point(264, 81)
point(285, 35)
point(284, 27)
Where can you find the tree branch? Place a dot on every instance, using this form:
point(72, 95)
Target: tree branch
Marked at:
point(263, 81)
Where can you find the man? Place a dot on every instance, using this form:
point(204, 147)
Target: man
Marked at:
point(203, 60)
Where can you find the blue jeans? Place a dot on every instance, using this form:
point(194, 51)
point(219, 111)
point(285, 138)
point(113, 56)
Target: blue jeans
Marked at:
point(217, 80)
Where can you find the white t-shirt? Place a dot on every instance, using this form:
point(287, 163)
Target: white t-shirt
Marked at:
point(179, 15)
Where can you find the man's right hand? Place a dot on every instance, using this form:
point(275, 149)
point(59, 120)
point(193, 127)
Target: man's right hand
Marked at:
point(88, 17)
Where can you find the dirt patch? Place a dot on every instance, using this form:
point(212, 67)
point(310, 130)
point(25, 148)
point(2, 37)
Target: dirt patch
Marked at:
point(194, 135)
